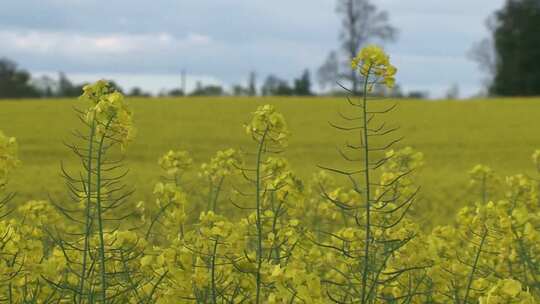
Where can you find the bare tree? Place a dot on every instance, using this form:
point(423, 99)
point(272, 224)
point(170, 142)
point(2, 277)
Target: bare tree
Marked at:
point(484, 54)
point(252, 84)
point(361, 22)
point(328, 73)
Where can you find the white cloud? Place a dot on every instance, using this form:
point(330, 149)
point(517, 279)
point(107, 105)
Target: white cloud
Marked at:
point(455, 8)
point(78, 44)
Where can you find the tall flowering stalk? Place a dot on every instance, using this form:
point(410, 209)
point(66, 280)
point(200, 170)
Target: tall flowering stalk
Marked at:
point(110, 123)
point(99, 196)
point(269, 130)
point(170, 198)
point(483, 181)
point(374, 213)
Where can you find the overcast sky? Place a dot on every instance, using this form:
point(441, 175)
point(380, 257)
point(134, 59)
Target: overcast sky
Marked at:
point(148, 43)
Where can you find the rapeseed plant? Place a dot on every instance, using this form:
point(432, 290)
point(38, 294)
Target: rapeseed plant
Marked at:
point(376, 227)
point(284, 241)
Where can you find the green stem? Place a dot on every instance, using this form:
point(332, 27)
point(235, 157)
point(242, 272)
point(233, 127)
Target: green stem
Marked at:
point(475, 265)
point(210, 194)
point(132, 285)
point(155, 219)
point(216, 195)
point(258, 207)
point(213, 273)
point(87, 211)
point(367, 193)
point(484, 190)
point(274, 248)
point(99, 214)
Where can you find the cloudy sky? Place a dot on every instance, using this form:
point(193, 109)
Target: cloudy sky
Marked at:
point(148, 43)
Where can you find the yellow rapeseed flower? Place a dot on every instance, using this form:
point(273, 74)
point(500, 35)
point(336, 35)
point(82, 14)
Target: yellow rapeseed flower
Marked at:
point(109, 112)
point(372, 61)
point(267, 122)
point(8, 157)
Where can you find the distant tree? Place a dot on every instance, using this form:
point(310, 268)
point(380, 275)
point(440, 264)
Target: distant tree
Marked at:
point(381, 90)
point(115, 86)
point(252, 84)
point(517, 46)
point(270, 85)
point(302, 85)
point(45, 85)
point(208, 90)
point(138, 92)
point(328, 72)
point(274, 86)
point(239, 90)
point(284, 89)
point(483, 52)
point(67, 89)
point(198, 87)
point(453, 92)
point(15, 83)
point(135, 92)
point(417, 95)
point(361, 22)
point(397, 92)
point(176, 92)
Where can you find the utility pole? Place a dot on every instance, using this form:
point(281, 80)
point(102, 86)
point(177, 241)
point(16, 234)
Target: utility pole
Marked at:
point(183, 80)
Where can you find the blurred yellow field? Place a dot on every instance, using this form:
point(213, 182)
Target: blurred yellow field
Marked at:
point(453, 136)
point(240, 224)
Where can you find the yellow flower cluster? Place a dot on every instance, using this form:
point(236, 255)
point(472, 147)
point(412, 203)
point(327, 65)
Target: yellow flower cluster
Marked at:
point(268, 124)
point(225, 163)
point(8, 157)
point(172, 200)
point(507, 291)
point(175, 163)
point(108, 112)
point(372, 61)
point(484, 181)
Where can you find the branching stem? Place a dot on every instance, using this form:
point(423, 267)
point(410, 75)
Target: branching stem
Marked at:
point(475, 265)
point(367, 196)
point(99, 214)
point(87, 211)
point(258, 207)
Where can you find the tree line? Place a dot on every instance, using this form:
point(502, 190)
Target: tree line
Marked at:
point(19, 83)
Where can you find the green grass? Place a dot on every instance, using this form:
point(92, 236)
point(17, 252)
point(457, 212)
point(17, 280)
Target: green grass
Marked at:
point(453, 135)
